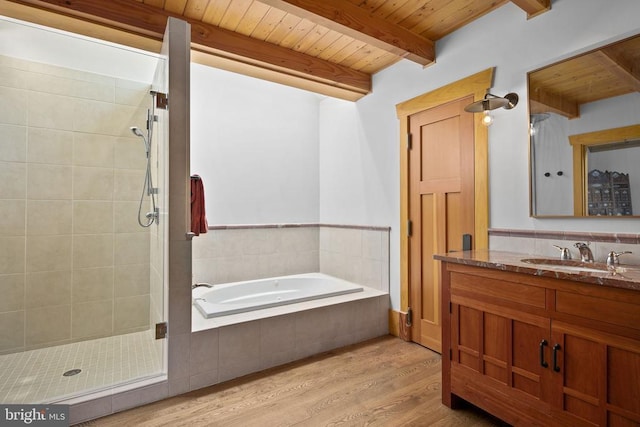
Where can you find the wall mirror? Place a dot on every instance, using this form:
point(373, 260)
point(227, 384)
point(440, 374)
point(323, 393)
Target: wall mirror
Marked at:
point(584, 134)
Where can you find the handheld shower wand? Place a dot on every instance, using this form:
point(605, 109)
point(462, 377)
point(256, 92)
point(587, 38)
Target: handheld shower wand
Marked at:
point(148, 184)
point(137, 132)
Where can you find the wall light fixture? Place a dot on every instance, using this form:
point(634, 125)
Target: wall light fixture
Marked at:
point(492, 102)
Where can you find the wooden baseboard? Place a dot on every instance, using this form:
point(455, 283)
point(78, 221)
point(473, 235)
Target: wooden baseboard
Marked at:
point(398, 325)
point(394, 323)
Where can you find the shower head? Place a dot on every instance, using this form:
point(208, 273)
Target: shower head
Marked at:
point(137, 132)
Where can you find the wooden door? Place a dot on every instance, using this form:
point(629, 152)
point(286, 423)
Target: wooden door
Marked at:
point(441, 206)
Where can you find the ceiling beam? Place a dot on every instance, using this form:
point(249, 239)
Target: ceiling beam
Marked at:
point(620, 67)
point(542, 101)
point(347, 18)
point(533, 7)
point(138, 18)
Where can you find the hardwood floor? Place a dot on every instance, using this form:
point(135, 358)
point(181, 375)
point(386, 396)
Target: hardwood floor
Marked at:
point(381, 382)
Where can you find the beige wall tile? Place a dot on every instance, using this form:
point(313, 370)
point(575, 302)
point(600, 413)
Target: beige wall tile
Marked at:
point(126, 217)
point(92, 217)
point(49, 146)
point(130, 153)
point(133, 93)
point(12, 217)
point(48, 182)
point(131, 248)
point(128, 184)
point(48, 217)
point(131, 313)
point(47, 325)
point(106, 118)
point(13, 106)
point(12, 254)
point(10, 76)
point(131, 280)
point(12, 331)
point(90, 183)
point(48, 288)
point(92, 251)
point(48, 83)
point(14, 143)
point(92, 319)
point(12, 291)
point(92, 284)
point(51, 111)
point(13, 177)
point(48, 253)
point(93, 150)
point(98, 91)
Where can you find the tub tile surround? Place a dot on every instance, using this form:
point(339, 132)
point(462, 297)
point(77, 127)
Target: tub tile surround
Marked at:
point(223, 353)
point(70, 168)
point(225, 348)
point(540, 242)
point(234, 253)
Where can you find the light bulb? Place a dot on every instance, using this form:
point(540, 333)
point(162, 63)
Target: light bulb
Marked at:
point(487, 119)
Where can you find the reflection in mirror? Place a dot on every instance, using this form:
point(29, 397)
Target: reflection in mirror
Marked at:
point(583, 95)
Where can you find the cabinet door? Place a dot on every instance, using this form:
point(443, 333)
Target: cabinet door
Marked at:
point(502, 346)
point(597, 377)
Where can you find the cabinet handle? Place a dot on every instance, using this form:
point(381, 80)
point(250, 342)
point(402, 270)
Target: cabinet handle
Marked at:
point(543, 344)
point(556, 347)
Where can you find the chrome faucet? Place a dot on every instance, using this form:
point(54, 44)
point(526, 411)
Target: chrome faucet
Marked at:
point(585, 252)
point(612, 258)
point(564, 252)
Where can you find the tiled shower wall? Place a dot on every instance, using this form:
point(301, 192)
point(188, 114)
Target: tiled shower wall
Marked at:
point(74, 264)
point(234, 253)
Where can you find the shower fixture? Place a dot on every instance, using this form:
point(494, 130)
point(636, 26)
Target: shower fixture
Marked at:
point(147, 187)
point(137, 132)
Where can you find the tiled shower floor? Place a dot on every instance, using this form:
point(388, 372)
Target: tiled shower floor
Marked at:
point(36, 376)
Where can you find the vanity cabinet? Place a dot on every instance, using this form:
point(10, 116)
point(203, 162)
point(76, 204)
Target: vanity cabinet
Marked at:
point(540, 351)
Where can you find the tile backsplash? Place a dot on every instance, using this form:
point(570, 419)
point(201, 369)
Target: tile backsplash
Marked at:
point(538, 242)
point(246, 252)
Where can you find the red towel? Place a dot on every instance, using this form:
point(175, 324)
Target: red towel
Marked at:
point(198, 217)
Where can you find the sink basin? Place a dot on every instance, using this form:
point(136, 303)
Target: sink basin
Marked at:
point(570, 265)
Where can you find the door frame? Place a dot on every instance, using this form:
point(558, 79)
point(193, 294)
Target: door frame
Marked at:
point(477, 85)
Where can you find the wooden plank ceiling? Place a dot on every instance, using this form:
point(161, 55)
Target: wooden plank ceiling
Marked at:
point(610, 71)
point(329, 46)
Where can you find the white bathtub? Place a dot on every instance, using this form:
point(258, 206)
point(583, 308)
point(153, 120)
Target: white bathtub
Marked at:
point(240, 297)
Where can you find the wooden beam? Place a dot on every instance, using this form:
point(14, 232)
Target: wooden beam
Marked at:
point(542, 101)
point(347, 18)
point(533, 7)
point(620, 67)
point(138, 18)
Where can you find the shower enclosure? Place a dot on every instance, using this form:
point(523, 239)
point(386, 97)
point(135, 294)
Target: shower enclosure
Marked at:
point(82, 281)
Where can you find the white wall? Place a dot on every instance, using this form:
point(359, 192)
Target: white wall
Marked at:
point(504, 39)
point(36, 43)
point(255, 145)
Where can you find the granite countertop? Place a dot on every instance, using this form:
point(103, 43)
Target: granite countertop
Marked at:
point(623, 276)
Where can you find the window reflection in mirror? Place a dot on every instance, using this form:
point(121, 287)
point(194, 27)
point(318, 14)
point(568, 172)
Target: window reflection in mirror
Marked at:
point(585, 94)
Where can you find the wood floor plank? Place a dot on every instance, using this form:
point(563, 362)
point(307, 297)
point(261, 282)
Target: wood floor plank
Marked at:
point(382, 382)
